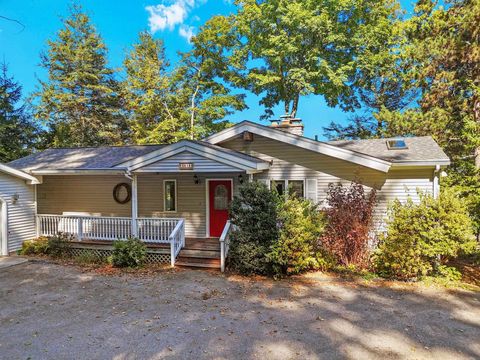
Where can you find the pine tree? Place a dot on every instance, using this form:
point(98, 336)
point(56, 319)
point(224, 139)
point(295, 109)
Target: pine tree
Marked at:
point(18, 135)
point(149, 95)
point(79, 102)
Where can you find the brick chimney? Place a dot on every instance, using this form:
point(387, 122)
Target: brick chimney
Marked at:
point(288, 124)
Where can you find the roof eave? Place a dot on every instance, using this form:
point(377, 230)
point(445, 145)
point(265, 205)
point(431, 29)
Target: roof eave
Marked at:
point(32, 180)
point(299, 141)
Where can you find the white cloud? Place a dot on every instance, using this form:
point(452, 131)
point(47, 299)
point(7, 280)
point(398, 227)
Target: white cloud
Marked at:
point(186, 32)
point(169, 14)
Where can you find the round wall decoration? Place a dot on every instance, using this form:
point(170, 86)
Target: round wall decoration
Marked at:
point(122, 193)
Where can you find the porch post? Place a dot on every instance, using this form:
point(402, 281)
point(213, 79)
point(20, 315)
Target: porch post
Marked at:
point(134, 206)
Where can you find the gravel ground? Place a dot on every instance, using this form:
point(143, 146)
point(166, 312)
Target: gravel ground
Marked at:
point(50, 311)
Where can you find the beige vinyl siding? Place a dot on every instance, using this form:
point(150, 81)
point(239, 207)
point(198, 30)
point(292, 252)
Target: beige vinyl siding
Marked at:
point(201, 164)
point(291, 163)
point(93, 194)
point(86, 193)
point(21, 216)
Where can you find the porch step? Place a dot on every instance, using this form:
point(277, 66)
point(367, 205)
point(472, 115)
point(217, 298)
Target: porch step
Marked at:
point(206, 254)
point(198, 262)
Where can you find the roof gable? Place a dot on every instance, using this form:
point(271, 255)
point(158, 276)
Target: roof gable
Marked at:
point(215, 153)
point(301, 142)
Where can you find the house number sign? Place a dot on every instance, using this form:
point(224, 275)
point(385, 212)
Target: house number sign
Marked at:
point(185, 166)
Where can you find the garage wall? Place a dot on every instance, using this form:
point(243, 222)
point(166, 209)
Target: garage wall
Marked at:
point(21, 216)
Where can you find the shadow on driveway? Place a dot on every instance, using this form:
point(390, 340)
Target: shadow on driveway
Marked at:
point(53, 311)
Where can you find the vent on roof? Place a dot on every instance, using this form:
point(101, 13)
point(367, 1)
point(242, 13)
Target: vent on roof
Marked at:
point(396, 144)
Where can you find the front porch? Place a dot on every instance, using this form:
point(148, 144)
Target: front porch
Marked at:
point(164, 238)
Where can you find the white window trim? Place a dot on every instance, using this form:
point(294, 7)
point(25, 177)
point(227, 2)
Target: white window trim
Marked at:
point(165, 198)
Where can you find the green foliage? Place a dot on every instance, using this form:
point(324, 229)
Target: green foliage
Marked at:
point(421, 237)
point(297, 248)
point(79, 102)
point(59, 244)
point(18, 135)
point(283, 49)
point(56, 246)
point(38, 246)
point(166, 105)
point(275, 235)
point(254, 212)
point(128, 253)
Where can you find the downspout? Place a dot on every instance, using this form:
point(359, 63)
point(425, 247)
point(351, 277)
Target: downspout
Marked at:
point(436, 182)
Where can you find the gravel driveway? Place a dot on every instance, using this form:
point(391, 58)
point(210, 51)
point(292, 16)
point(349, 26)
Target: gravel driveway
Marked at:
point(50, 311)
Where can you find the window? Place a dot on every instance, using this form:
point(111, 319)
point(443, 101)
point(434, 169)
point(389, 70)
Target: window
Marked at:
point(295, 188)
point(170, 195)
point(278, 185)
point(221, 198)
point(396, 144)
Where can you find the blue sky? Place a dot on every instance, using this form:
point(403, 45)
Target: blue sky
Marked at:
point(119, 23)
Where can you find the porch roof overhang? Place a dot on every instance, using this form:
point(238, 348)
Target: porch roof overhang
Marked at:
point(301, 142)
point(234, 159)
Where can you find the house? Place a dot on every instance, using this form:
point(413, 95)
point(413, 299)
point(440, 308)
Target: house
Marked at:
point(175, 197)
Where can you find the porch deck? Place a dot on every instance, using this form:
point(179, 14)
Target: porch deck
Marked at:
point(197, 252)
point(164, 237)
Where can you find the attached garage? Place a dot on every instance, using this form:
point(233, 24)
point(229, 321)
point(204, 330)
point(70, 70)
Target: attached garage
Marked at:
point(17, 208)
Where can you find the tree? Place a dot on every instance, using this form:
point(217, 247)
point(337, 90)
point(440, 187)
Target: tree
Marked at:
point(18, 135)
point(167, 105)
point(283, 49)
point(149, 94)
point(79, 102)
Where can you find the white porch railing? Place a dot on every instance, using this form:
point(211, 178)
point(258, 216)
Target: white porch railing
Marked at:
point(177, 240)
point(225, 244)
point(152, 230)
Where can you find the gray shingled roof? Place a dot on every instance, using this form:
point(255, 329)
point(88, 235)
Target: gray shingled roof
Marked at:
point(422, 148)
point(104, 157)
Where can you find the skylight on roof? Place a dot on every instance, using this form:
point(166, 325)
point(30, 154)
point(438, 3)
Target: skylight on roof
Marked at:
point(396, 144)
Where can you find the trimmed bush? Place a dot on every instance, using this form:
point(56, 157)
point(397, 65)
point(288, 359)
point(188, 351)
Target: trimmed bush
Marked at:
point(59, 245)
point(349, 223)
point(38, 246)
point(128, 253)
point(254, 212)
point(297, 248)
point(421, 238)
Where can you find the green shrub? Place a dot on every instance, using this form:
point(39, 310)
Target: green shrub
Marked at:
point(297, 248)
point(59, 245)
point(38, 246)
point(128, 253)
point(421, 238)
point(254, 212)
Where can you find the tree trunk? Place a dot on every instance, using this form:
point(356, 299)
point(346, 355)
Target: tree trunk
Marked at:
point(295, 106)
point(192, 115)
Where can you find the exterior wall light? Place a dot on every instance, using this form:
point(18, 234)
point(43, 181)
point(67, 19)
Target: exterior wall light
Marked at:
point(15, 198)
point(196, 180)
point(240, 179)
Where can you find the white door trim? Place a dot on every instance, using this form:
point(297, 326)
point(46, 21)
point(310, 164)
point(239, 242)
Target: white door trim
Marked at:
point(207, 195)
point(3, 227)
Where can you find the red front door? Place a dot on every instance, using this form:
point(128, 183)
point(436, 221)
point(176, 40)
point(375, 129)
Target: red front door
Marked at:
point(219, 195)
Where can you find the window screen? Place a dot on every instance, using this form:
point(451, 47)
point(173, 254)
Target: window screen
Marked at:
point(295, 188)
